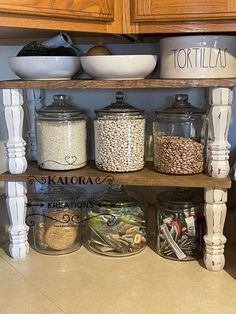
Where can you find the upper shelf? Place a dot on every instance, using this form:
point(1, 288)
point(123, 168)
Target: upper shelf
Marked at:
point(95, 84)
point(91, 175)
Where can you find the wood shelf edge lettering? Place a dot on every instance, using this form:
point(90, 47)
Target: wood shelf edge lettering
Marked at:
point(90, 175)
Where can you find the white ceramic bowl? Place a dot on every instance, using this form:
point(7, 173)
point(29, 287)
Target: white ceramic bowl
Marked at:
point(119, 67)
point(45, 67)
point(207, 56)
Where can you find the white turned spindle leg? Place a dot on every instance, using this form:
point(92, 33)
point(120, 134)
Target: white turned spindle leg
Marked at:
point(33, 100)
point(220, 100)
point(13, 100)
point(215, 212)
point(18, 230)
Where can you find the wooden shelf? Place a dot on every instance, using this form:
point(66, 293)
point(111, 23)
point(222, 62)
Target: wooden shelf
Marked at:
point(96, 84)
point(90, 175)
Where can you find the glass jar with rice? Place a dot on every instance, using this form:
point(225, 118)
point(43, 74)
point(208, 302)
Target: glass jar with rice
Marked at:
point(61, 136)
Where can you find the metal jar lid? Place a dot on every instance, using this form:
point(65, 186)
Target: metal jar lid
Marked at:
point(58, 193)
point(181, 108)
point(119, 107)
point(115, 196)
point(60, 109)
point(181, 198)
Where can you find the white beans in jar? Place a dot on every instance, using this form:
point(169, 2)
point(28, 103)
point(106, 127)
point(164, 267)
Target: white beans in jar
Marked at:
point(119, 144)
point(119, 134)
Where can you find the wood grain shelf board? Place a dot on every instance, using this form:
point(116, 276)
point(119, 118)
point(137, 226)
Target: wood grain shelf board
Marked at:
point(145, 177)
point(108, 84)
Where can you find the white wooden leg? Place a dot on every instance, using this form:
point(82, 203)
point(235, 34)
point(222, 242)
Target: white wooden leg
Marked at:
point(16, 161)
point(18, 230)
point(33, 100)
point(215, 212)
point(220, 100)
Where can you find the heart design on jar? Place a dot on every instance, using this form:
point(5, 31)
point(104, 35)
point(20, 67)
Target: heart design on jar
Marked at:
point(70, 160)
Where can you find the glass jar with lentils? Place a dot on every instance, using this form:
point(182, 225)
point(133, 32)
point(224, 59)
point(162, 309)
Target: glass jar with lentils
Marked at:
point(180, 136)
point(119, 134)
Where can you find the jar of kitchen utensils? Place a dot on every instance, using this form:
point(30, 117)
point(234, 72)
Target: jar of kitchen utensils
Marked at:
point(180, 224)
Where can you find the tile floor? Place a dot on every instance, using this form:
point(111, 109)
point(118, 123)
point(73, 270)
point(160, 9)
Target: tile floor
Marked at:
point(84, 283)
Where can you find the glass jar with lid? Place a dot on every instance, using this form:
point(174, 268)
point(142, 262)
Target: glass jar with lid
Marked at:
point(116, 223)
point(180, 224)
point(119, 132)
point(54, 215)
point(61, 135)
point(180, 138)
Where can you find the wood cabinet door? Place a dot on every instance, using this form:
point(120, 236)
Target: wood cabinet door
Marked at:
point(182, 10)
point(98, 10)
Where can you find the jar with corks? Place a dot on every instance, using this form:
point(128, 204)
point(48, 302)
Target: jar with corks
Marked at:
point(119, 134)
point(116, 223)
point(180, 224)
point(180, 138)
point(61, 136)
point(55, 217)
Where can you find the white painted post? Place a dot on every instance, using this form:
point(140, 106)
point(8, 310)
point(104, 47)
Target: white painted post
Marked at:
point(18, 230)
point(33, 100)
point(16, 161)
point(215, 212)
point(220, 100)
point(16, 164)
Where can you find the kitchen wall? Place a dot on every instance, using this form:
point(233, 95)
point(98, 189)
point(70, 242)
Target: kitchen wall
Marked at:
point(148, 99)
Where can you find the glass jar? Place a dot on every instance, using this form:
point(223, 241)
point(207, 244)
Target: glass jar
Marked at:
point(180, 224)
point(61, 136)
point(55, 215)
point(180, 138)
point(116, 223)
point(119, 133)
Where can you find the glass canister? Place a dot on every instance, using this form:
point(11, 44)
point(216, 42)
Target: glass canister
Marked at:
point(119, 132)
point(55, 217)
point(180, 224)
point(61, 136)
point(180, 138)
point(116, 223)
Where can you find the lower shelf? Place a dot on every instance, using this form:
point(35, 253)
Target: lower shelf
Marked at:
point(91, 175)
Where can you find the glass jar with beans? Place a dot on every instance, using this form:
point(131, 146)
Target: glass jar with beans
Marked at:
point(180, 136)
point(119, 133)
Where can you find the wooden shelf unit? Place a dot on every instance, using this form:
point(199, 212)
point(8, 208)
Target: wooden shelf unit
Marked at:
point(91, 175)
point(215, 185)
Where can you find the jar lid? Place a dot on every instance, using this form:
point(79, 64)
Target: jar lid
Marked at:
point(60, 109)
point(181, 106)
point(181, 197)
point(119, 107)
point(115, 196)
point(56, 193)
